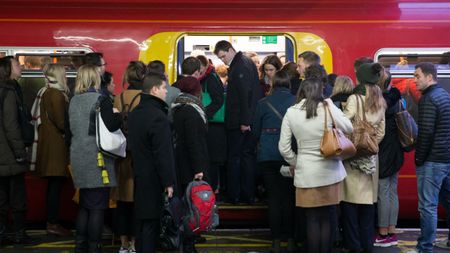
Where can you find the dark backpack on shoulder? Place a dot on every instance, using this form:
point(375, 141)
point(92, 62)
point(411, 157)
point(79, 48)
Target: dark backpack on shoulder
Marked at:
point(125, 110)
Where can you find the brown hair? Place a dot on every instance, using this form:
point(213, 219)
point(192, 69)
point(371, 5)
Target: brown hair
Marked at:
point(311, 90)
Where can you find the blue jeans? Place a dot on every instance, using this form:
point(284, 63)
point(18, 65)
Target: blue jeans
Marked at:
point(431, 178)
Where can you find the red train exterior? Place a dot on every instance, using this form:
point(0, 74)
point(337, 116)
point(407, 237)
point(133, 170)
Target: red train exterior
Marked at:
point(116, 27)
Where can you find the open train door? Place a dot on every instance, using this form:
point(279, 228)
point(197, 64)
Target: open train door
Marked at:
point(173, 47)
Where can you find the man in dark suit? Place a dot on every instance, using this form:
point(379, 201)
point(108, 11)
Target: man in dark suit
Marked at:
point(151, 146)
point(243, 93)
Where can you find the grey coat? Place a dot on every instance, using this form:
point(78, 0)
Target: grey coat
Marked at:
point(83, 149)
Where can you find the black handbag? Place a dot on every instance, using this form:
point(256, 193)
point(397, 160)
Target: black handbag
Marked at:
point(406, 128)
point(170, 235)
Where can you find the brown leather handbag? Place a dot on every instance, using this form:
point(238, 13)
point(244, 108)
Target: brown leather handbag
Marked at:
point(334, 143)
point(364, 135)
point(406, 127)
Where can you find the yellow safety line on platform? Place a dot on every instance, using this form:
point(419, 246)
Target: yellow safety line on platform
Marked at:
point(236, 238)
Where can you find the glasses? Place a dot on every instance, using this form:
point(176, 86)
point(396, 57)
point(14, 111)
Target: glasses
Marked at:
point(101, 65)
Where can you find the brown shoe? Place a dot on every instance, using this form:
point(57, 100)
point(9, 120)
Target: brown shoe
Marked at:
point(58, 230)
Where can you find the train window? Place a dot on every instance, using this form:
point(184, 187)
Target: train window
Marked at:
point(262, 45)
point(33, 60)
point(401, 64)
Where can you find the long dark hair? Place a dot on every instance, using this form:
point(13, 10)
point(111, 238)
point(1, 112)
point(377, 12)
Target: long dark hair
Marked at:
point(5, 68)
point(311, 90)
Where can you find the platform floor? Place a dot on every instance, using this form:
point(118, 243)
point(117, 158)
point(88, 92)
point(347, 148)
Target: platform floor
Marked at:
point(229, 241)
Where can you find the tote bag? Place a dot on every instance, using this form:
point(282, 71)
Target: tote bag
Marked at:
point(219, 116)
point(109, 143)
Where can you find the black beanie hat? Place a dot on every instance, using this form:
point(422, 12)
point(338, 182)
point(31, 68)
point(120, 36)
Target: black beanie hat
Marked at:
point(369, 73)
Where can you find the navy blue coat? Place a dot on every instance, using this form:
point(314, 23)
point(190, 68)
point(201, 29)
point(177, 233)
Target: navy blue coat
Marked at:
point(267, 125)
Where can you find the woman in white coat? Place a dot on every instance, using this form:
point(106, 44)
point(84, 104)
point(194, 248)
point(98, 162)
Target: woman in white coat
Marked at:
point(361, 184)
point(317, 180)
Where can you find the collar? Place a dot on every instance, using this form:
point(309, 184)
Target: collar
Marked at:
point(237, 55)
point(154, 101)
point(430, 88)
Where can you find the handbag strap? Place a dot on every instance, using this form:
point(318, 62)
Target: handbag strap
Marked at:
point(327, 109)
point(358, 99)
point(274, 110)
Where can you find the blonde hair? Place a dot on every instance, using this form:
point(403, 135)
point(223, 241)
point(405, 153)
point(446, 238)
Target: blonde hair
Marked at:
point(87, 76)
point(56, 76)
point(374, 99)
point(343, 84)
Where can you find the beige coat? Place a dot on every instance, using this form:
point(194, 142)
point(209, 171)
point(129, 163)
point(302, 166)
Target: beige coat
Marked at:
point(360, 188)
point(311, 168)
point(52, 156)
point(124, 169)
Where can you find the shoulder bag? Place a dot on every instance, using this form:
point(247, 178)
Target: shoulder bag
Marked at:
point(406, 127)
point(109, 143)
point(219, 116)
point(364, 135)
point(334, 144)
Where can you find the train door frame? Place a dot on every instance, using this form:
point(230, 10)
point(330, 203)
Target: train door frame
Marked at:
point(164, 47)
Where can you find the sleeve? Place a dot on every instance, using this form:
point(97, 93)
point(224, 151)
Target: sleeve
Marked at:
point(215, 90)
point(426, 125)
point(112, 120)
point(161, 138)
point(342, 122)
point(350, 108)
point(257, 121)
point(243, 86)
point(56, 109)
point(284, 145)
point(195, 140)
point(11, 125)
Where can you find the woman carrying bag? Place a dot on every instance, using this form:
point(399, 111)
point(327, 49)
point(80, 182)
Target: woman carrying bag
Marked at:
point(318, 180)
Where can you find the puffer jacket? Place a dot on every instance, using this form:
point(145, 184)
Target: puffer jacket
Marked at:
point(433, 139)
point(11, 143)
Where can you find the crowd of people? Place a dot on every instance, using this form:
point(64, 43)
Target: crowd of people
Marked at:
point(235, 127)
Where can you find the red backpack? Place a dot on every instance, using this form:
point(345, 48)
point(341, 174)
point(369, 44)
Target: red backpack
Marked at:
point(201, 212)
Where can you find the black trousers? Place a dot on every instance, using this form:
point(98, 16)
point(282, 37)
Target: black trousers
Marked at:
point(13, 195)
point(54, 188)
point(147, 232)
point(124, 219)
point(280, 198)
point(241, 166)
point(358, 226)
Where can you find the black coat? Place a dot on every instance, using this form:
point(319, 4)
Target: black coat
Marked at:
point(433, 139)
point(11, 143)
point(150, 140)
point(216, 137)
point(191, 150)
point(391, 152)
point(243, 92)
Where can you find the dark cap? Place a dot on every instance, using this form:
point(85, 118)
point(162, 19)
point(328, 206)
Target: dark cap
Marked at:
point(369, 73)
point(190, 85)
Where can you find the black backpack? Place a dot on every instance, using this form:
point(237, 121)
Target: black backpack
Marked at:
point(126, 108)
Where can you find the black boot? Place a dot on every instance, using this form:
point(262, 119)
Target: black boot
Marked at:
point(95, 247)
point(23, 239)
point(81, 244)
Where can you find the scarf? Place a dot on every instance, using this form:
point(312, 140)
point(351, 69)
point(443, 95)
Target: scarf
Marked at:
point(188, 99)
point(208, 71)
point(36, 121)
point(365, 164)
